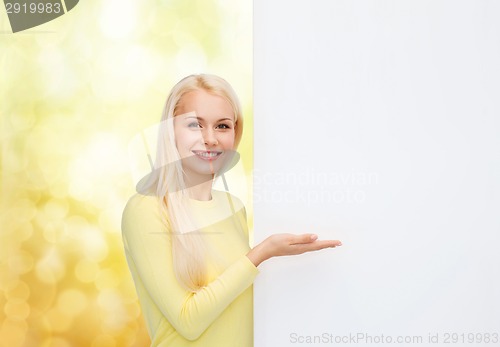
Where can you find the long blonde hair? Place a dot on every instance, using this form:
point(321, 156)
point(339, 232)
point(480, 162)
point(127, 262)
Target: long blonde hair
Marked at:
point(189, 249)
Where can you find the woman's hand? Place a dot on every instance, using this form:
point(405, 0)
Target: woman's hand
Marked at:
point(288, 244)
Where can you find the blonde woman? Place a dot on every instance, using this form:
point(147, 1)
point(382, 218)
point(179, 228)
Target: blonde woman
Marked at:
point(186, 244)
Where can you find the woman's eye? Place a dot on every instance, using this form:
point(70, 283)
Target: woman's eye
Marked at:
point(194, 125)
point(223, 126)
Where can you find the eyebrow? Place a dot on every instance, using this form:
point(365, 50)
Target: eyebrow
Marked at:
point(200, 118)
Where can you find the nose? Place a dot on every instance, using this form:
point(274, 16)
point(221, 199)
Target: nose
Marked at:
point(210, 137)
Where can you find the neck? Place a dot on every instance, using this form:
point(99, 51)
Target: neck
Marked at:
point(201, 191)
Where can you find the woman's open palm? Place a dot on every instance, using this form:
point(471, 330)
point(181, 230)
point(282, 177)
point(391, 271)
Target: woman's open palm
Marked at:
point(288, 244)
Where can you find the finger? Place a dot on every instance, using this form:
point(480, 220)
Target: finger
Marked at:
point(316, 246)
point(304, 238)
point(329, 243)
point(321, 245)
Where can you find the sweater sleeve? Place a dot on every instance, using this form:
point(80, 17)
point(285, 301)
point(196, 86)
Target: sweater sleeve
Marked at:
point(148, 246)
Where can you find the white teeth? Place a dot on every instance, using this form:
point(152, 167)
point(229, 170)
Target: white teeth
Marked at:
point(207, 154)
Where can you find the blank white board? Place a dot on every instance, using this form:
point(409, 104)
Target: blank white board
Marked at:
point(378, 123)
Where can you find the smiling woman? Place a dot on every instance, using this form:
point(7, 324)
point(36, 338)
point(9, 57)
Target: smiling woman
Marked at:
point(186, 244)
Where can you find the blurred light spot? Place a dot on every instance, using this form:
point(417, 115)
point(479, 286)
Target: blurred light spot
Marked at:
point(56, 342)
point(110, 218)
point(50, 268)
point(134, 310)
point(86, 270)
point(31, 340)
point(129, 294)
point(207, 11)
point(14, 162)
point(183, 37)
point(90, 240)
point(42, 294)
point(104, 340)
point(59, 322)
point(21, 262)
point(72, 302)
point(16, 309)
point(23, 210)
point(58, 76)
point(109, 300)
point(92, 171)
point(56, 209)
point(35, 180)
point(86, 47)
point(190, 59)
point(140, 65)
point(13, 58)
point(114, 315)
point(13, 332)
point(77, 221)
point(59, 189)
point(94, 246)
point(106, 278)
point(81, 189)
point(118, 18)
point(18, 290)
point(156, 23)
point(24, 231)
point(8, 279)
point(24, 121)
point(54, 231)
point(50, 40)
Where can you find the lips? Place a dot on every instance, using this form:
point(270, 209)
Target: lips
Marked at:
point(208, 155)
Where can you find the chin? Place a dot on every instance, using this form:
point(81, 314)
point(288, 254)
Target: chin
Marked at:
point(196, 167)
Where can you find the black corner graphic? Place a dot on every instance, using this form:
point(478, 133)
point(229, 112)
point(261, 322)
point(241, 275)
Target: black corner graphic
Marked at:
point(70, 4)
point(28, 14)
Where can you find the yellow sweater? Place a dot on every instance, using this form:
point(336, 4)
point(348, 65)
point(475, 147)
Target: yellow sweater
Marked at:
point(221, 313)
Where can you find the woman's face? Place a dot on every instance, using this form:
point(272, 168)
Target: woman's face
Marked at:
point(204, 132)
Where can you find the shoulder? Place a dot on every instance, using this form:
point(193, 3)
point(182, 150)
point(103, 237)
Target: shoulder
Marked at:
point(139, 199)
point(225, 197)
point(142, 221)
point(140, 210)
point(141, 203)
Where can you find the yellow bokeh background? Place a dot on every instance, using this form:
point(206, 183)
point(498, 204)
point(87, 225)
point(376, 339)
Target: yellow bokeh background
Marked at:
point(74, 91)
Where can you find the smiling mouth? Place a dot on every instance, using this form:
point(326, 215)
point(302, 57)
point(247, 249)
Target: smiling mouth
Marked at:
point(208, 155)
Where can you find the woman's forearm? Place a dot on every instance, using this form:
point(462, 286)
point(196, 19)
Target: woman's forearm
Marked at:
point(257, 255)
